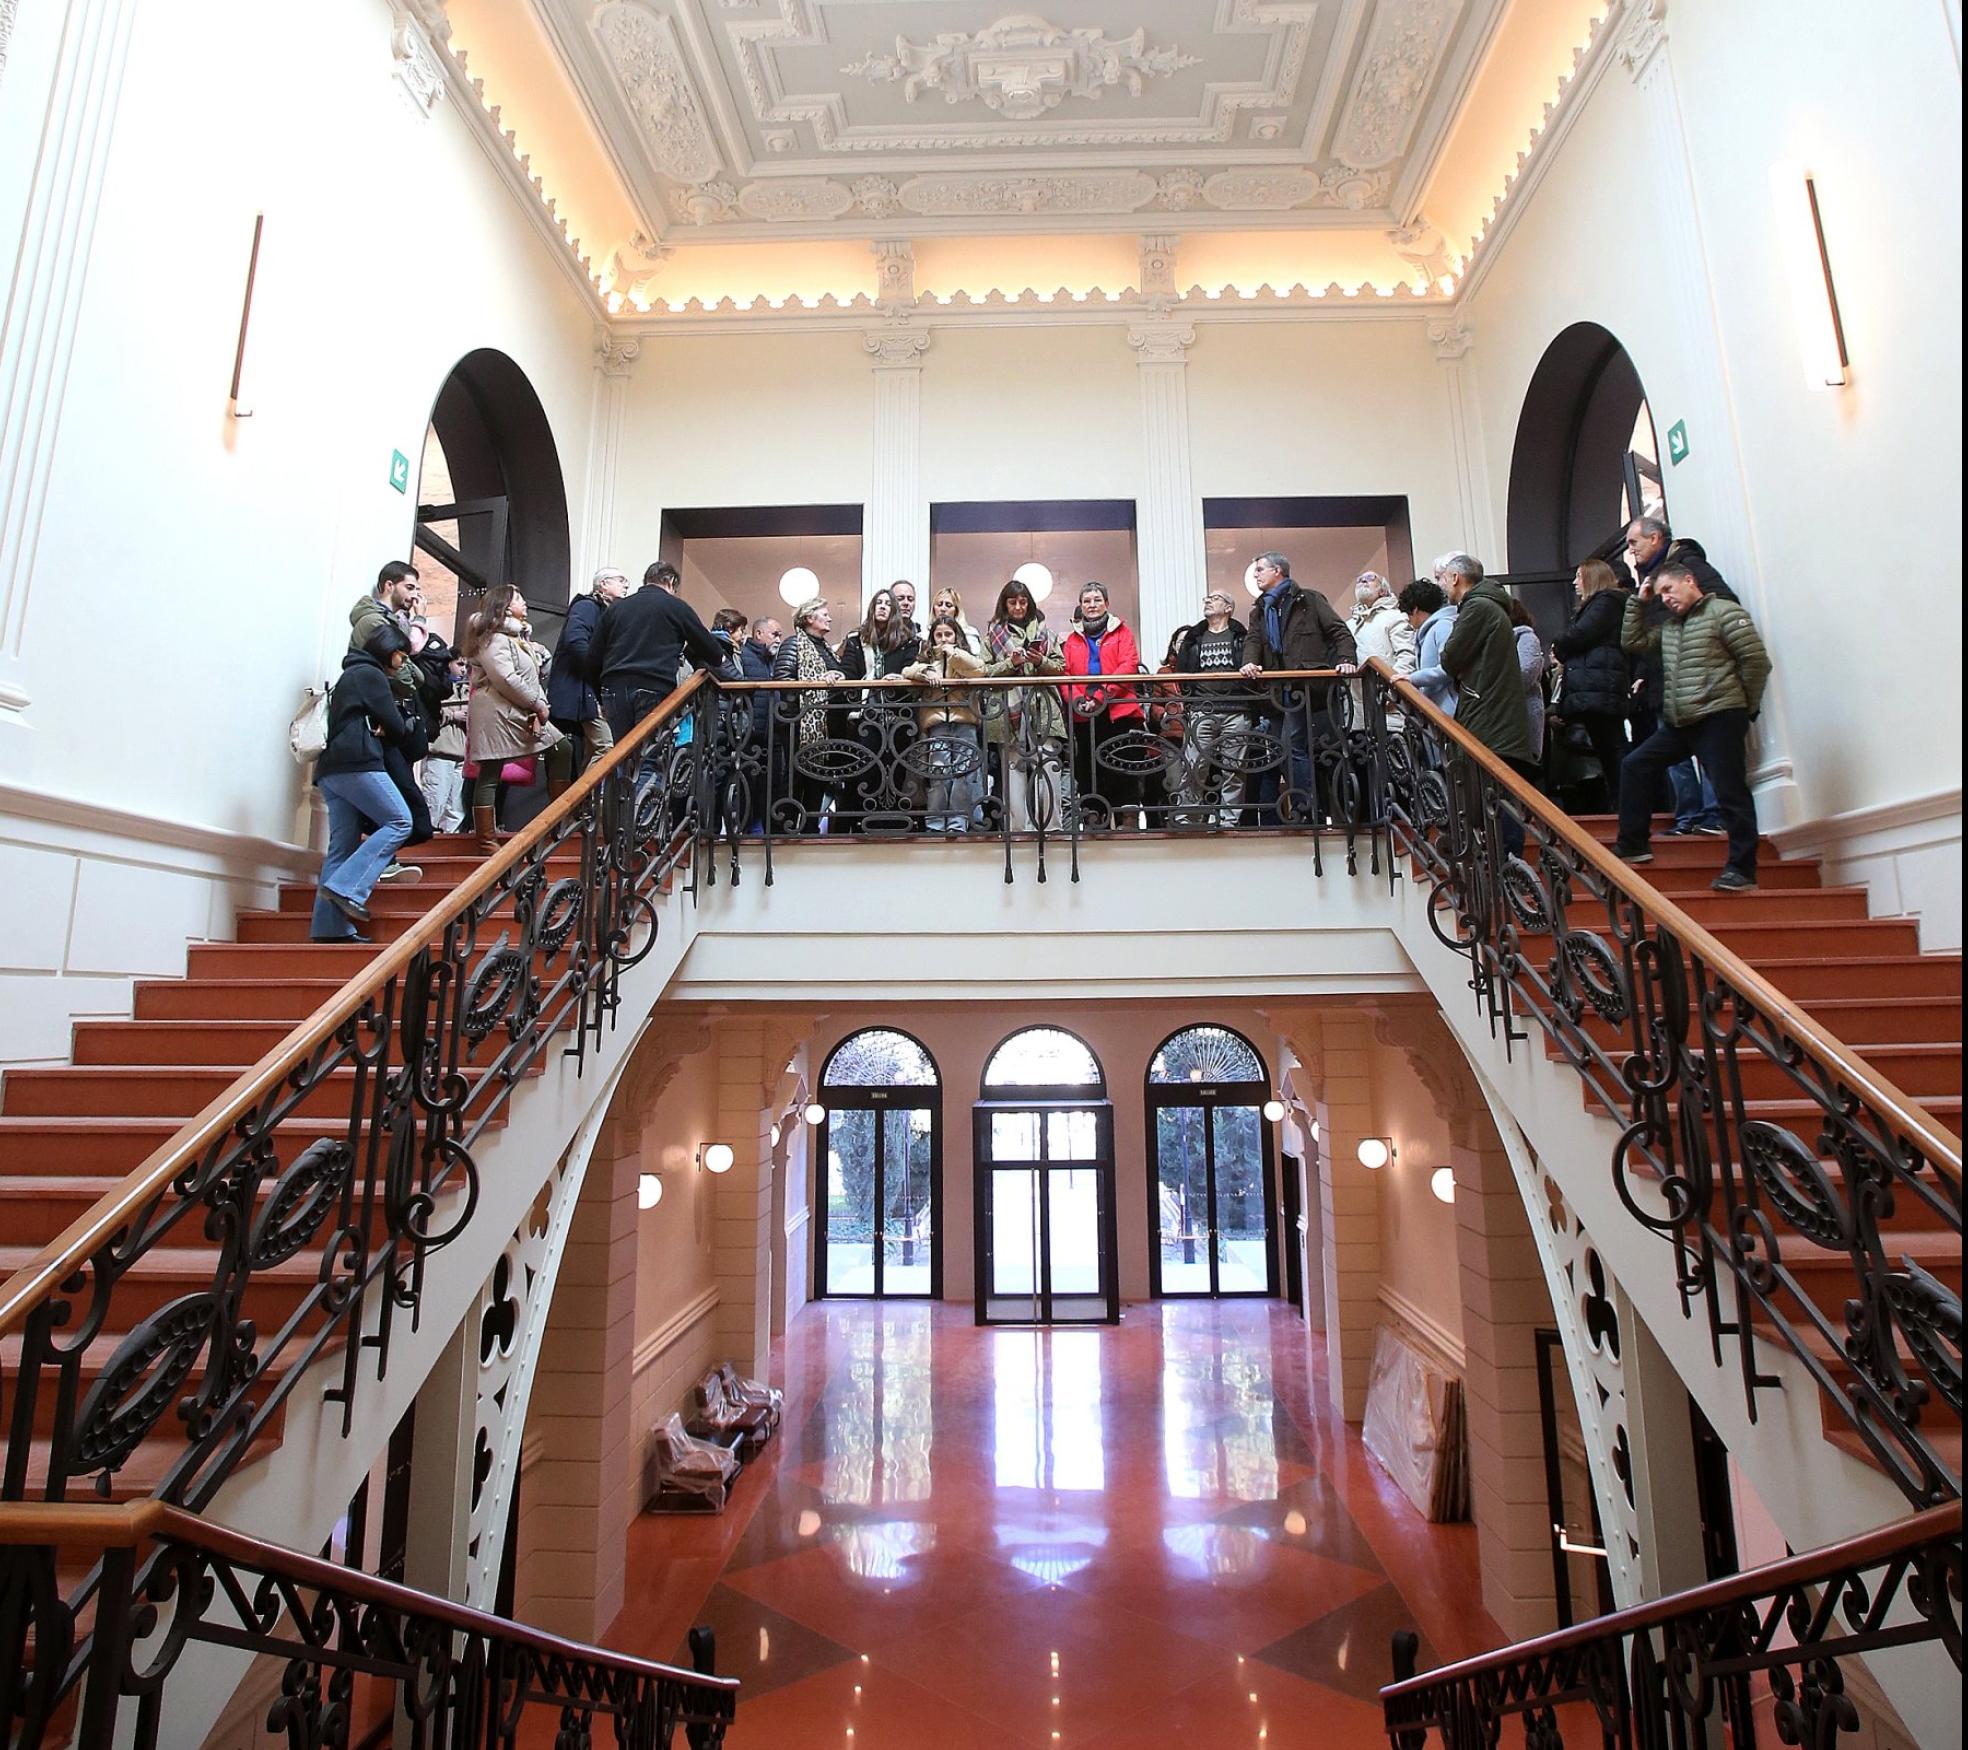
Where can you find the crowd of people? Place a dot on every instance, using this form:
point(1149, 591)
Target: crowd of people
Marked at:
point(1646, 697)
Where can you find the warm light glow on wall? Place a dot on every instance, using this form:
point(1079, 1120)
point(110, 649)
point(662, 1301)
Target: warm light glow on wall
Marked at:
point(1813, 300)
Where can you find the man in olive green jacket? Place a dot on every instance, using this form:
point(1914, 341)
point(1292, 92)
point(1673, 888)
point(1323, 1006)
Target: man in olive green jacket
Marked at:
point(1481, 658)
point(1714, 670)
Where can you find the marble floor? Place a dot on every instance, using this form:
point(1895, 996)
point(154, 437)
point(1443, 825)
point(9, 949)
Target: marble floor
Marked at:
point(1154, 1534)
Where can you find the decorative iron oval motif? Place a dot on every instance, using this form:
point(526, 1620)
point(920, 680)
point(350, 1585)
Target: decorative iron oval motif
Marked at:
point(1432, 800)
point(942, 760)
point(491, 990)
point(1597, 974)
point(300, 1202)
point(1794, 1180)
point(560, 911)
point(832, 761)
point(1250, 751)
point(1928, 1314)
point(1136, 753)
point(1525, 894)
point(140, 1382)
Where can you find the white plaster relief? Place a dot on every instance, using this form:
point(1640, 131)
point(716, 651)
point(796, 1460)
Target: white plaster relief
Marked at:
point(1641, 34)
point(642, 50)
point(1122, 191)
point(1402, 53)
point(802, 198)
point(418, 69)
point(1022, 66)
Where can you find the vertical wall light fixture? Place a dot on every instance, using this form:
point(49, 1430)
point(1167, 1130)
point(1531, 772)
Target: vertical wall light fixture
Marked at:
point(237, 405)
point(1807, 268)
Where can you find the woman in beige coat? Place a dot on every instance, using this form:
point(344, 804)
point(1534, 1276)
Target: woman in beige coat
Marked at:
point(948, 717)
point(508, 714)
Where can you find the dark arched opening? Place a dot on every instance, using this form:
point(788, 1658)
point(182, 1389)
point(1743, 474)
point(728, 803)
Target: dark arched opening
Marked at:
point(1584, 458)
point(492, 502)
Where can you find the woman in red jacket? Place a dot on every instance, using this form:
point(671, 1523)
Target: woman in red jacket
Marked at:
point(1100, 644)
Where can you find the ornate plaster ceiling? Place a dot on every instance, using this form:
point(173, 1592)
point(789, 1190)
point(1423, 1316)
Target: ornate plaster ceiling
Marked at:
point(744, 119)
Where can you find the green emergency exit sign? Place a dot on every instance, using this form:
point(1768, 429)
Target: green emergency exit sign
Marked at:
point(400, 470)
point(1677, 442)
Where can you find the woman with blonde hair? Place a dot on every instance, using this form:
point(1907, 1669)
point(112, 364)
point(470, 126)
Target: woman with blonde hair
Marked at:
point(806, 655)
point(947, 604)
point(1597, 679)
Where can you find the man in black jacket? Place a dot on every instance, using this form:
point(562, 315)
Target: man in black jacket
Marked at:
point(1292, 627)
point(1651, 544)
point(642, 641)
point(573, 700)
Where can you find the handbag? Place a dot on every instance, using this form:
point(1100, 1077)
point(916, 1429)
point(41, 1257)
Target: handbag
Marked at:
point(515, 772)
point(307, 734)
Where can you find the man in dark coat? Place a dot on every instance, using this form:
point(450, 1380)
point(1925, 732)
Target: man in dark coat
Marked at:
point(1651, 545)
point(1292, 627)
point(642, 642)
point(1481, 658)
point(573, 699)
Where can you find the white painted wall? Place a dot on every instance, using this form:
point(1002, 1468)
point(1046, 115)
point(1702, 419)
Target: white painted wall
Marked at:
point(192, 572)
point(1853, 494)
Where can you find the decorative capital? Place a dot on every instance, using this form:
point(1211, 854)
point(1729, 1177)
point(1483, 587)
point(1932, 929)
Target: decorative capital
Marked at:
point(616, 354)
point(895, 273)
point(1161, 343)
point(1641, 33)
point(1424, 249)
point(896, 348)
point(1451, 336)
point(418, 68)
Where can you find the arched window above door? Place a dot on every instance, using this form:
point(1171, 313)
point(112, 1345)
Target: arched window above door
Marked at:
point(1045, 1057)
point(879, 1057)
point(1205, 1053)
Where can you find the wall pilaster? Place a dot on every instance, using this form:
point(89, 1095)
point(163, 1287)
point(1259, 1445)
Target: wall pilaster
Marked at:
point(1169, 526)
point(895, 525)
point(615, 357)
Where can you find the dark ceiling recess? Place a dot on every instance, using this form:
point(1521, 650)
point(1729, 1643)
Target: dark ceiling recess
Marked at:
point(1567, 468)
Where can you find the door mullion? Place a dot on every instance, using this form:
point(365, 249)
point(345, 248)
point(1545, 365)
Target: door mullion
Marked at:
point(1208, 1111)
point(879, 1227)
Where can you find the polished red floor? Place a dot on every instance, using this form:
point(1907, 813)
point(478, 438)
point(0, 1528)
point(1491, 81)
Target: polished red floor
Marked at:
point(1147, 1535)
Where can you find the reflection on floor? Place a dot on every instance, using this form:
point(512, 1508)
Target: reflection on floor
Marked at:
point(1141, 1536)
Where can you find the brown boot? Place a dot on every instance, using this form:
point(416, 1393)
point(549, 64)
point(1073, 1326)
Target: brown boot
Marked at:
point(485, 822)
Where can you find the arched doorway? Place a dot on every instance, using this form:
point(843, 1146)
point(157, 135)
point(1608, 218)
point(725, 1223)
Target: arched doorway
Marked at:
point(1211, 1206)
point(881, 1157)
point(1585, 461)
point(491, 499)
point(1044, 1185)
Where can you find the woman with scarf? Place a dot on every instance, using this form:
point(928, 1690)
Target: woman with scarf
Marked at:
point(1025, 727)
point(507, 719)
point(1101, 645)
point(806, 656)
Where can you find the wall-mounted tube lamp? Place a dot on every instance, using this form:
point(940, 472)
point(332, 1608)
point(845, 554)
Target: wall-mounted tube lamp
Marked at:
point(1813, 299)
point(1274, 1111)
point(715, 1157)
point(1375, 1152)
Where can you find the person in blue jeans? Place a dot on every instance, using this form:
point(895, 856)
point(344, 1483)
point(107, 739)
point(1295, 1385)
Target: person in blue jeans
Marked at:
point(368, 820)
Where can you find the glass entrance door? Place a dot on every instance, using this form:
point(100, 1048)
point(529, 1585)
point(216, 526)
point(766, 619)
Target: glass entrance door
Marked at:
point(1045, 1214)
point(878, 1215)
point(1212, 1194)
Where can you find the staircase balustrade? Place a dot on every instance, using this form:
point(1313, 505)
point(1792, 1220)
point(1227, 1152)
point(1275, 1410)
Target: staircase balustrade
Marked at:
point(355, 1650)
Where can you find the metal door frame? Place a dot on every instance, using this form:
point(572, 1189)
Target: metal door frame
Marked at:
point(909, 1098)
point(984, 1167)
point(1209, 1096)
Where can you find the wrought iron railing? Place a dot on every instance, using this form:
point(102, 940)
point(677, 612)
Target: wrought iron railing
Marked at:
point(355, 1652)
point(354, 1140)
point(1703, 1666)
point(1668, 1027)
point(1045, 762)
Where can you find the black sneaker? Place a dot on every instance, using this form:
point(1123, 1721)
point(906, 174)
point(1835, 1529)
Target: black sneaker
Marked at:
point(1679, 830)
point(1734, 881)
point(1634, 858)
point(1717, 831)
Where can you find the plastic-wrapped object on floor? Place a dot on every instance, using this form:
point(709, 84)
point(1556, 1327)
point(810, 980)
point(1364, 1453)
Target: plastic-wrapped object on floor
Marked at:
point(716, 1415)
point(741, 1390)
point(1414, 1426)
point(692, 1475)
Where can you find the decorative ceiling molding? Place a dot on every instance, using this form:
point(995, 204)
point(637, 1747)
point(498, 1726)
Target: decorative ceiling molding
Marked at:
point(949, 62)
point(1022, 66)
point(1641, 34)
point(418, 69)
point(643, 55)
point(1406, 46)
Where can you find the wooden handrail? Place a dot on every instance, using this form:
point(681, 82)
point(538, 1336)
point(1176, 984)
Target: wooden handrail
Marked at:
point(130, 1524)
point(1940, 1146)
point(847, 683)
point(1867, 1550)
point(62, 1256)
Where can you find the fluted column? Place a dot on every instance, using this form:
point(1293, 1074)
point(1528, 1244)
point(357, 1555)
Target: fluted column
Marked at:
point(1452, 337)
point(1168, 514)
point(1707, 493)
point(895, 525)
point(615, 357)
point(43, 300)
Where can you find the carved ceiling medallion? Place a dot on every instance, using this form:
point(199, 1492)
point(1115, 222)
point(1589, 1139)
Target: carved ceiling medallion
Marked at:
point(1022, 66)
point(643, 52)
